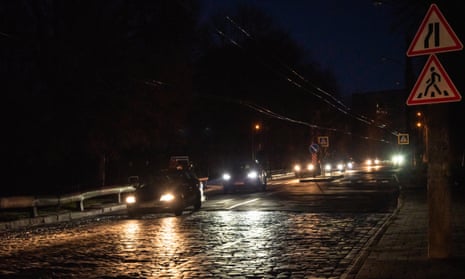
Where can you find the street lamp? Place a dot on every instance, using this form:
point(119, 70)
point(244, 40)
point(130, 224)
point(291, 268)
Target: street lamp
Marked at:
point(422, 140)
point(255, 130)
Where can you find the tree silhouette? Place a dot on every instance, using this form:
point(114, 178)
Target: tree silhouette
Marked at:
point(89, 80)
point(250, 60)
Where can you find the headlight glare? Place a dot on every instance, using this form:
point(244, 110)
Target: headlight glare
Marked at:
point(167, 197)
point(252, 174)
point(398, 160)
point(131, 199)
point(310, 167)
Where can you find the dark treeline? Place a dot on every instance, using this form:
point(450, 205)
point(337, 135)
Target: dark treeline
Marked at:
point(92, 88)
point(95, 91)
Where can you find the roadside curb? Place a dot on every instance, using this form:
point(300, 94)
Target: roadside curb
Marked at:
point(60, 217)
point(364, 252)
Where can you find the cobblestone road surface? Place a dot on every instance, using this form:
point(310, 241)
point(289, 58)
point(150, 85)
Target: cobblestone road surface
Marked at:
point(205, 244)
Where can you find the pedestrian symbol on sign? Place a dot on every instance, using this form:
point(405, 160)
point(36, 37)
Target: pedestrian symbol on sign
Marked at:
point(323, 141)
point(402, 139)
point(433, 81)
point(433, 86)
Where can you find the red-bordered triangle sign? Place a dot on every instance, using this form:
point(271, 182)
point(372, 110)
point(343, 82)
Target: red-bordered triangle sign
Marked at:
point(434, 35)
point(433, 86)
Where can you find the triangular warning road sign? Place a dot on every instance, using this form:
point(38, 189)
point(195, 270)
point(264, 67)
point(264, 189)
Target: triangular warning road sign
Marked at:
point(434, 35)
point(402, 138)
point(433, 85)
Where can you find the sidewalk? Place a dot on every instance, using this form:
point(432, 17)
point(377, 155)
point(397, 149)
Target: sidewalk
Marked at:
point(401, 248)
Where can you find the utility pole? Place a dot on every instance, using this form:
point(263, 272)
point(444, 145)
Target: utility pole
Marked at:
point(434, 88)
point(439, 196)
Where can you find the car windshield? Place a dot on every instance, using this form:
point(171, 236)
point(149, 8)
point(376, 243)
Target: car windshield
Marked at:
point(243, 167)
point(168, 178)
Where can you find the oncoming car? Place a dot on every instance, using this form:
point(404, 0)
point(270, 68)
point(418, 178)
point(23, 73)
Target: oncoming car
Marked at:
point(244, 175)
point(166, 190)
point(336, 166)
point(305, 169)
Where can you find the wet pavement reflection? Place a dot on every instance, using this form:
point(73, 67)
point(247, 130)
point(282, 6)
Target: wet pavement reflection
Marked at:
point(205, 244)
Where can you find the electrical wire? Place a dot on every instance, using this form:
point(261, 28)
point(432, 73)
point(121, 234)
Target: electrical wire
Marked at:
point(325, 96)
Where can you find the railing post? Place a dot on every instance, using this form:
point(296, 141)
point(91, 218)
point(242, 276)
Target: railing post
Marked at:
point(80, 204)
point(34, 211)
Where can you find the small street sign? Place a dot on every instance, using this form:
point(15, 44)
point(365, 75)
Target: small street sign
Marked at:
point(314, 148)
point(433, 85)
point(402, 138)
point(323, 141)
point(434, 35)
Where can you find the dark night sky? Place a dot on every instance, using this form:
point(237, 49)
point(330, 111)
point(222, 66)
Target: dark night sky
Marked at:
point(349, 38)
point(353, 39)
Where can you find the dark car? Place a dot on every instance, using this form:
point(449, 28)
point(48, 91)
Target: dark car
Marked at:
point(244, 175)
point(167, 190)
point(306, 169)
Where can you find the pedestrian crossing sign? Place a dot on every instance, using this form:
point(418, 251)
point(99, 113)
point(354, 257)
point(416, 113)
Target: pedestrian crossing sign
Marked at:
point(402, 139)
point(323, 141)
point(433, 85)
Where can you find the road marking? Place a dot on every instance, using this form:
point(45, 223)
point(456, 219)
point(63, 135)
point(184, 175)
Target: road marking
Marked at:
point(242, 203)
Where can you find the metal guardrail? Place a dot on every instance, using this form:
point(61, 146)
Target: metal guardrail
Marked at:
point(35, 202)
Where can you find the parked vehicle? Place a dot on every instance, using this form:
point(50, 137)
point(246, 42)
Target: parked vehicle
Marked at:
point(171, 190)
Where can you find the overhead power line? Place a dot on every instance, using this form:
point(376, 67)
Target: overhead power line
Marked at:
point(295, 78)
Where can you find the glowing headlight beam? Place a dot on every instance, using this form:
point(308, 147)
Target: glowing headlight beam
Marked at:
point(252, 174)
point(130, 199)
point(166, 197)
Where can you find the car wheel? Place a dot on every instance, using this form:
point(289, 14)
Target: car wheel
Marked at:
point(227, 189)
point(178, 211)
point(132, 213)
point(198, 202)
point(179, 206)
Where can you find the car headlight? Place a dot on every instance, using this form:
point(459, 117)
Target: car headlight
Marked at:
point(167, 197)
point(350, 165)
point(226, 176)
point(398, 160)
point(340, 166)
point(130, 199)
point(310, 167)
point(252, 174)
point(328, 167)
point(297, 168)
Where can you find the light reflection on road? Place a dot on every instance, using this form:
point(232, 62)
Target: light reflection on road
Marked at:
point(200, 245)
